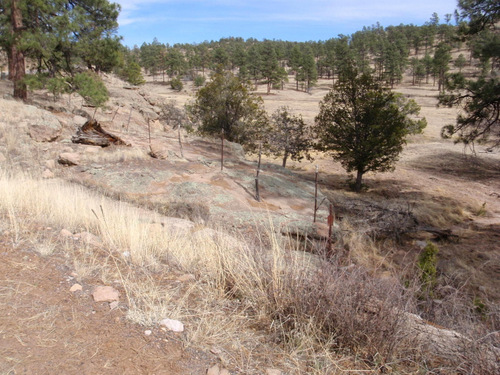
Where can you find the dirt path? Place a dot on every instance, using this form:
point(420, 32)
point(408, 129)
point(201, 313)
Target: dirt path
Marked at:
point(46, 329)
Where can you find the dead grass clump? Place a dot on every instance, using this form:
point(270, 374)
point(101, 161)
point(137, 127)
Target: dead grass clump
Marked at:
point(196, 212)
point(116, 155)
point(440, 212)
point(346, 309)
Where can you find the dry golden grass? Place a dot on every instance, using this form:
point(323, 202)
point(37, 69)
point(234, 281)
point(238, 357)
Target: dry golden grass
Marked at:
point(239, 293)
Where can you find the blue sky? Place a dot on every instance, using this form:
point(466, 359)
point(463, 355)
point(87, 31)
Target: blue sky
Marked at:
point(194, 21)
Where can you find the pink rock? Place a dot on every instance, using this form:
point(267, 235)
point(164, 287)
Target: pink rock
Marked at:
point(214, 370)
point(172, 325)
point(65, 233)
point(75, 288)
point(69, 158)
point(105, 294)
point(50, 164)
point(47, 174)
point(89, 239)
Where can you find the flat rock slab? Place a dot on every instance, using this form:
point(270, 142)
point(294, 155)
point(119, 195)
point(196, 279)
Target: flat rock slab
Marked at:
point(105, 294)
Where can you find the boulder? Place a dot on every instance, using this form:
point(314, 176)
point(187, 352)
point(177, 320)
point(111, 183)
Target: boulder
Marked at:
point(45, 128)
point(158, 150)
point(69, 158)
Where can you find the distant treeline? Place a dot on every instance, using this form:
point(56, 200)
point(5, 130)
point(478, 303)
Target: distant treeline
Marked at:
point(386, 52)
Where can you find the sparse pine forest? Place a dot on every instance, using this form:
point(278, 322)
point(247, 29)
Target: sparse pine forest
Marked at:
point(314, 273)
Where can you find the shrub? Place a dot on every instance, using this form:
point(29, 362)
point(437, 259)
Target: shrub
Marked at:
point(132, 74)
point(199, 81)
point(427, 263)
point(176, 84)
point(91, 88)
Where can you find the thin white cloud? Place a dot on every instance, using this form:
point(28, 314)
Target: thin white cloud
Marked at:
point(282, 10)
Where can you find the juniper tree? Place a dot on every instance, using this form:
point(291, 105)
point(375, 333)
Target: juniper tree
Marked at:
point(226, 104)
point(363, 125)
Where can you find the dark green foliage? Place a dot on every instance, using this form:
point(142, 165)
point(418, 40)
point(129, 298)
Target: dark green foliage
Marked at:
point(441, 61)
point(132, 74)
point(269, 68)
point(176, 84)
point(363, 125)
point(460, 62)
point(288, 137)
point(479, 98)
point(199, 81)
point(427, 263)
point(55, 85)
point(89, 86)
point(59, 35)
point(226, 104)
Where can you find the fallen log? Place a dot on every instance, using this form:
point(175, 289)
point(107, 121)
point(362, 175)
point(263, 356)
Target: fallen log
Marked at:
point(91, 133)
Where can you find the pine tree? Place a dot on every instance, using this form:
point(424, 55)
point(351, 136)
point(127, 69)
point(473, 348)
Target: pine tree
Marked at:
point(58, 34)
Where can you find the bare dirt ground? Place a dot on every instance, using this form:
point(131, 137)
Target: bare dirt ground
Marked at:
point(44, 328)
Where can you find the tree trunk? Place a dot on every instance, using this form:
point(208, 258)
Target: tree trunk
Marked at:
point(17, 65)
point(10, 67)
point(285, 157)
point(359, 179)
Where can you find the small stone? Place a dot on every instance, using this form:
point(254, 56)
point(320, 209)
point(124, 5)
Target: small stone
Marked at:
point(113, 305)
point(47, 174)
point(148, 332)
point(89, 239)
point(214, 370)
point(186, 277)
point(75, 288)
point(272, 371)
point(421, 244)
point(50, 164)
point(224, 372)
point(215, 351)
point(2, 158)
point(105, 294)
point(65, 233)
point(172, 325)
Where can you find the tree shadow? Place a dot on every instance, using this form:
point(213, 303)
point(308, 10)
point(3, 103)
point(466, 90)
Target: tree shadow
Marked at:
point(457, 165)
